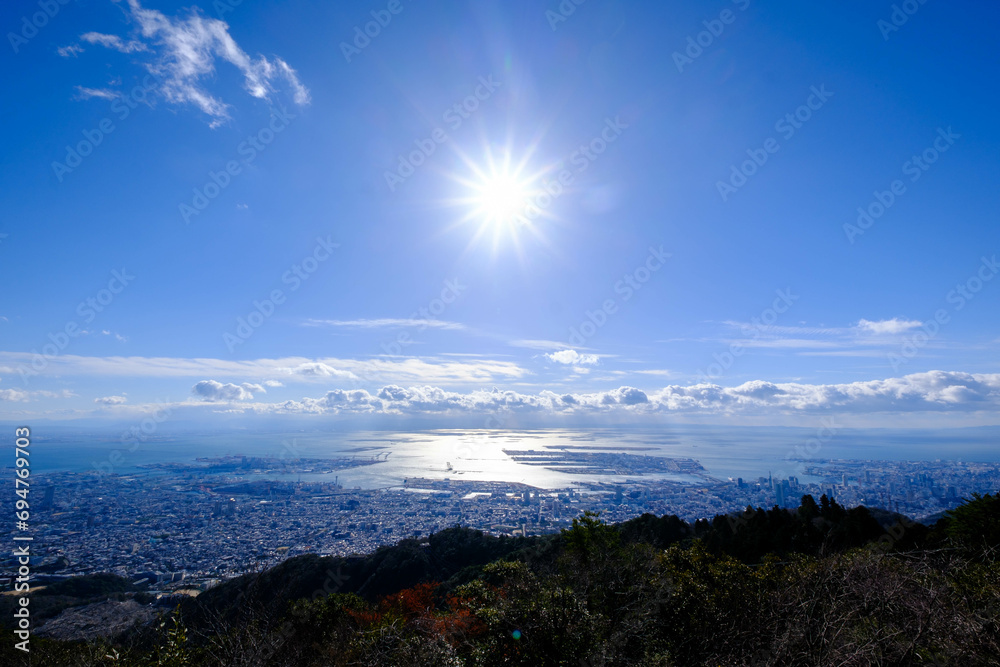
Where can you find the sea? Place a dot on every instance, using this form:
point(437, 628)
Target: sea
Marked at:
point(478, 454)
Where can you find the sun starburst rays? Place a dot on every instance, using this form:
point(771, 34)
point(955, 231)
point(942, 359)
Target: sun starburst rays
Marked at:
point(504, 199)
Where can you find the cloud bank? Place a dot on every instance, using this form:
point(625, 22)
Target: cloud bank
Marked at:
point(934, 391)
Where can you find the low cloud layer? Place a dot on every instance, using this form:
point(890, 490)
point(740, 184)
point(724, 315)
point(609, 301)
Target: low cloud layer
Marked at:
point(22, 395)
point(934, 391)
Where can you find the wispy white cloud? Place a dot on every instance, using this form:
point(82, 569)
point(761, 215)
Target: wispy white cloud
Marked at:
point(319, 369)
point(469, 355)
point(750, 328)
point(538, 344)
point(70, 51)
point(446, 371)
point(870, 353)
point(181, 53)
point(113, 42)
point(784, 343)
point(386, 323)
point(858, 340)
point(893, 326)
point(572, 358)
point(84, 93)
point(111, 400)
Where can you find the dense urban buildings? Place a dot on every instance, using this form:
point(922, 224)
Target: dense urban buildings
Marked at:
point(188, 527)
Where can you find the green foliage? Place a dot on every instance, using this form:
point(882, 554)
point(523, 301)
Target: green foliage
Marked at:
point(975, 524)
point(589, 536)
point(173, 650)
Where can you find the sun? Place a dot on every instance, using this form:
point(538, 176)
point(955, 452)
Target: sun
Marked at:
point(504, 200)
point(502, 195)
point(501, 199)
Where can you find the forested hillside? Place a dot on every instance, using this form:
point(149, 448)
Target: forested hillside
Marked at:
point(820, 585)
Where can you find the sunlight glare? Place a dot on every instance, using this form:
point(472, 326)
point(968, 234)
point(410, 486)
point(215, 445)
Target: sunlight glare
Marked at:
point(501, 199)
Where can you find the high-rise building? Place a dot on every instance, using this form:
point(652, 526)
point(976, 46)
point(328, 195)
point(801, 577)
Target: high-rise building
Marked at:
point(47, 499)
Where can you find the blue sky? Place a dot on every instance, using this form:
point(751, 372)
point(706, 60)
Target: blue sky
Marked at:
point(723, 212)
